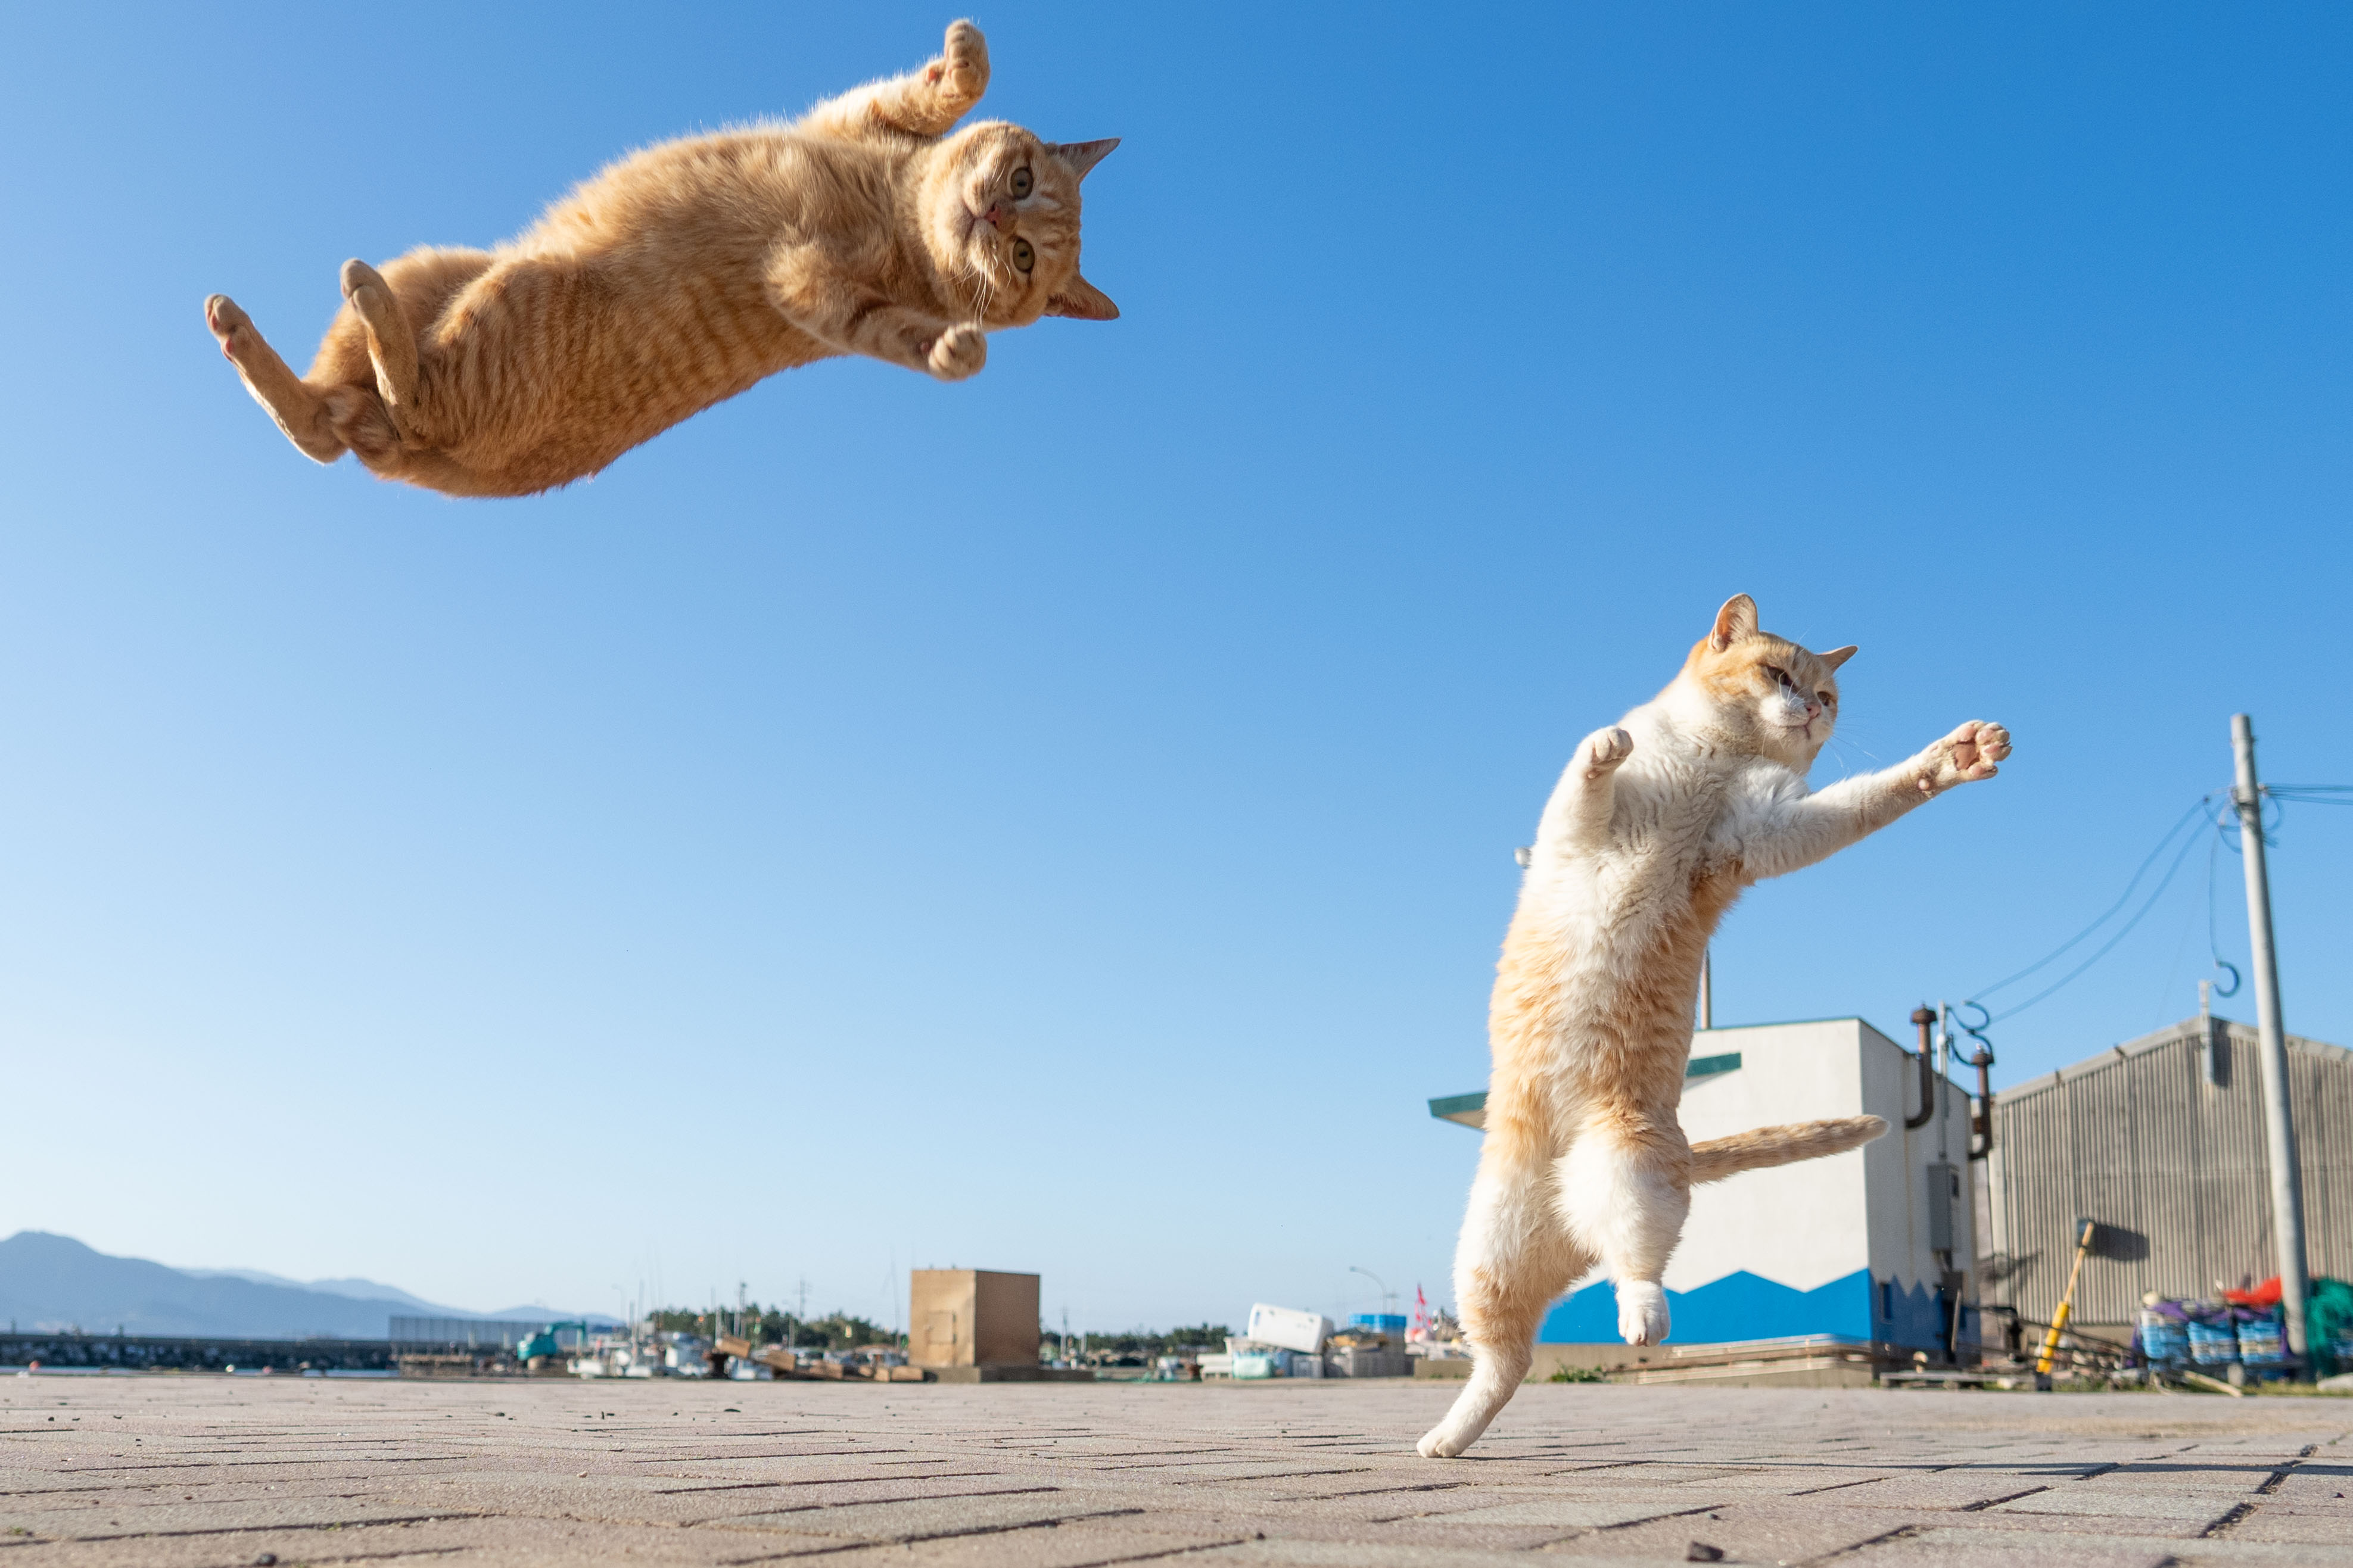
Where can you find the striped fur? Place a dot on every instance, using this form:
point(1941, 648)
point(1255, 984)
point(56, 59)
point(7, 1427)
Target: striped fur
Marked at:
point(683, 275)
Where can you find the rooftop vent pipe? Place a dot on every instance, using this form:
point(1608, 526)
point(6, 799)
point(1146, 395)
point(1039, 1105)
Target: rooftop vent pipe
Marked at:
point(1923, 1017)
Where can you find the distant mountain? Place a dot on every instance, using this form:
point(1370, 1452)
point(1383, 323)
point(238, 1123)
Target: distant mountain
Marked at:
point(357, 1289)
point(52, 1283)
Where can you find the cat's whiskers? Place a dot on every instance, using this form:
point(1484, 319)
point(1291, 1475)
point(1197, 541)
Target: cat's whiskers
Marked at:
point(984, 292)
point(1841, 741)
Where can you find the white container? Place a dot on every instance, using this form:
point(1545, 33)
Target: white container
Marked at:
point(1306, 1364)
point(1291, 1329)
point(1216, 1365)
point(1248, 1366)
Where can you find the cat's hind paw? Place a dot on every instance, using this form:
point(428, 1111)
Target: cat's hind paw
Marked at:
point(1641, 1312)
point(958, 353)
point(1443, 1442)
point(228, 323)
point(357, 275)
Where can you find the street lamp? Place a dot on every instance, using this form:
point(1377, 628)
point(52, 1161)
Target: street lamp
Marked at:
point(1388, 1296)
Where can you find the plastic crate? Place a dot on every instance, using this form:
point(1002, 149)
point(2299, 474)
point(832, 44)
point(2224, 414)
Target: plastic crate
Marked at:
point(2163, 1339)
point(2262, 1343)
point(2213, 1344)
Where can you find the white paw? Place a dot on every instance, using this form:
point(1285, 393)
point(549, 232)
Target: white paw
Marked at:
point(958, 353)
point(1966, 755)
point(1443, 1441)
point(1605, 749)
point(1641, 1312)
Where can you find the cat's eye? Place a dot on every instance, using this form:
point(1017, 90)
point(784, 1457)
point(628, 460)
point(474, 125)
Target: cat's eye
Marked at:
point(1023, 257)
point(1830, 700)
point(1022, 180)
point(1779, 675)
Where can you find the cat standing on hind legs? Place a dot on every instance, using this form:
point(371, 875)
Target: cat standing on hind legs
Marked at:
point(1653, 831)
point(685, 273)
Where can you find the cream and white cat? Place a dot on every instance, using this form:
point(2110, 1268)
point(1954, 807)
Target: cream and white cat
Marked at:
point(1659, 824)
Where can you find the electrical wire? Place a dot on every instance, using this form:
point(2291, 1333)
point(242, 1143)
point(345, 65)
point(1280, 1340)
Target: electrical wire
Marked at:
point(2109, 946)
point(2213, 941)
point(2273, 797)
point(2312, 795)
point(2184, 820)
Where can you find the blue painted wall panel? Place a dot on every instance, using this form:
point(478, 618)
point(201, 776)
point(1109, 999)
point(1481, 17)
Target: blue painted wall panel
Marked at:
point(1916, 1320)
point(1740, 1306)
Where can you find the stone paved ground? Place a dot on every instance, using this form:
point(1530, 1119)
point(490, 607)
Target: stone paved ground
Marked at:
point(180, 1472)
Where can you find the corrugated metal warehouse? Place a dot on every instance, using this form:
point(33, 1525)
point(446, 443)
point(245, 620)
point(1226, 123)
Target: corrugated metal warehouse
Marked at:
point(2161, 1140)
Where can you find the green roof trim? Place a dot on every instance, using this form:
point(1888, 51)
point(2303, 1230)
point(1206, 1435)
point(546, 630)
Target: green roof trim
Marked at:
point(1471, 1110)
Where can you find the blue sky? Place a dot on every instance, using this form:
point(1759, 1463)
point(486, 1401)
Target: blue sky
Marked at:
point(1062, 821)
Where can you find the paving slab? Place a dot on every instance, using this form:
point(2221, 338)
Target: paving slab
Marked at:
point(209, 1471)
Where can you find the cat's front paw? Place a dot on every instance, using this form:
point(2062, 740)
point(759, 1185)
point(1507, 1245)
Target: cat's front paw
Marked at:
point(1605, 749)
point(1641, 1312)
point(961, 73)
point(1966, 755)
point(958, 353)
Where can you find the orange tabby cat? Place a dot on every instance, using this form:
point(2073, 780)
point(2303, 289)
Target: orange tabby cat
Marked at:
point(685, 273)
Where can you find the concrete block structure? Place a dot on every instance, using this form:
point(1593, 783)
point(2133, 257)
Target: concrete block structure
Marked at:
point(1874, 1246)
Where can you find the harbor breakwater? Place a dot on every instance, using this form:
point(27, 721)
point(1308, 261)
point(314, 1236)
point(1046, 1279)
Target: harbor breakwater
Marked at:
point(134, 1352)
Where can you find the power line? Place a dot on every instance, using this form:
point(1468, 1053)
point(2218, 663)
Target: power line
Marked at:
point(2213, 941)
point(2312, 795)
point(2109, 946)
point(2185, 819)
point(2278, 795)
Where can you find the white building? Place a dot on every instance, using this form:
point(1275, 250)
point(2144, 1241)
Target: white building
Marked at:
point(1872, 1246)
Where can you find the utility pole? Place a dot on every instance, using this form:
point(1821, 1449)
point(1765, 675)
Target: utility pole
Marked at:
point(1707, 988)
point(2279, 1127)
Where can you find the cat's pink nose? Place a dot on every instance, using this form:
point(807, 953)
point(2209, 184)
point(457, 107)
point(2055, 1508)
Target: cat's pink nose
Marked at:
point(992, 215)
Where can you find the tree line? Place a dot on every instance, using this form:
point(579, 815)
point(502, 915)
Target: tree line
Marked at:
point(774, 1326)
point(846, 1331)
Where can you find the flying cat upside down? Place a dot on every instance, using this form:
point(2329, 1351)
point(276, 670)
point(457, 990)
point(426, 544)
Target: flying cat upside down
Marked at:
point(683, 274)
point(1656, 827)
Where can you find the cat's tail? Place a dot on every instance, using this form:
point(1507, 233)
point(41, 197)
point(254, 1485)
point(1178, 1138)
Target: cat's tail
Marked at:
point(1762, 1146)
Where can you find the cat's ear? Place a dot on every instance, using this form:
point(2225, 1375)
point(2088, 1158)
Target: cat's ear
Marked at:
point(1082, 156)
point(1737, 620)
point(1082, 301)
point(1837, 656)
